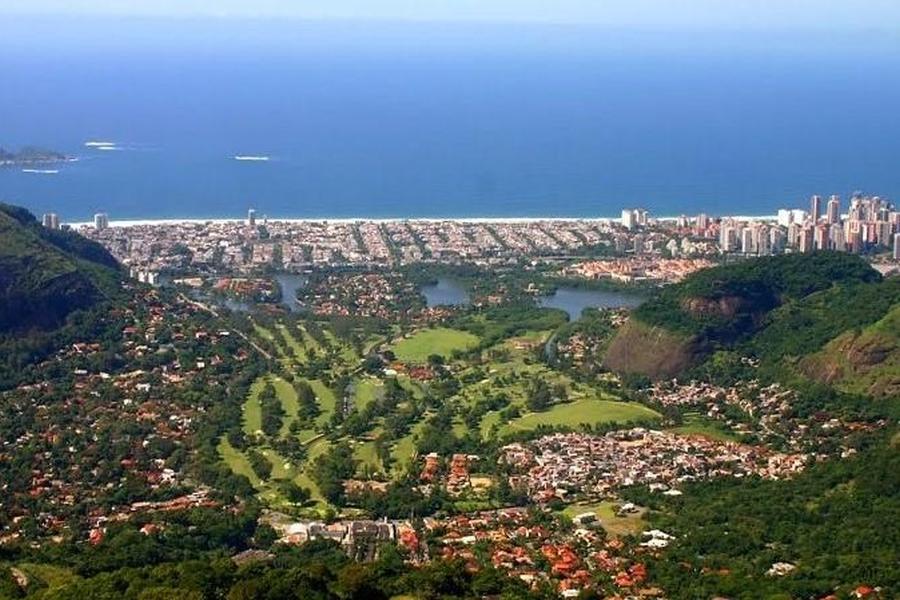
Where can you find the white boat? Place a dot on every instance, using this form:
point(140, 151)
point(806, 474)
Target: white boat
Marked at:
point(251, 158)
point(41, 171)
point(101, 145)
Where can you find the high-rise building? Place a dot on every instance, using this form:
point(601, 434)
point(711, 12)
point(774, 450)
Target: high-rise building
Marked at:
point(815, 208)
point(251, 218)
point(785, 217)
point(101, 221)
point(776, 240)
point(639, 246)
point(629, 218)
point(727, 236)
point(747, 245)
point(805, 242)
point(702, 221)
point(836, 238)
point(643, 216)
point(762, 241)
point(897, 246)
point(793, 235)
point(50, 220)
point(834, 210)
point(821, 237)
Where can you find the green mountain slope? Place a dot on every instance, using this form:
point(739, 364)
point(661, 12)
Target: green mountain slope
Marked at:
point(723, 307)
point(45, 275)
point(863, 361)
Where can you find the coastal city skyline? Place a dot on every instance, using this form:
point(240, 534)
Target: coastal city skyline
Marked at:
point(449, 300)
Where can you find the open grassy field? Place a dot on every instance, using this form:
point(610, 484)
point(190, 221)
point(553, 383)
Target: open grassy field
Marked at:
point(368, 459)
point(441, 340)
point(606, 512)
point(251, 408)
point(298, 350)
point(288, 397)
point(366, 391)
point(588, 410)
point(237, 462)
point(695, 424)
point(326, 398)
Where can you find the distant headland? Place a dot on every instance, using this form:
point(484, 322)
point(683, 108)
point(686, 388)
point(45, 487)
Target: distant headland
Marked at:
point(31, 155)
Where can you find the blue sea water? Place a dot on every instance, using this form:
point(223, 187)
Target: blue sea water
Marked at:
point(406, 120)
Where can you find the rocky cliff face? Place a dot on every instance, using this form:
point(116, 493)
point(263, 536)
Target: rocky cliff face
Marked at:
point(866, 361)
point(652, 351)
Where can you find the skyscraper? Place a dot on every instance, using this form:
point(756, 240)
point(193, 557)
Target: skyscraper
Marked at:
point(815, 208)
point(629, 218)
point(897, 246)
point(251, 218)
point(51, 220)
point(834, 210)
point(101, 221)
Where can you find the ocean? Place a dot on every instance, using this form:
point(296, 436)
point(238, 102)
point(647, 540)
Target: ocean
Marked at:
point(417, 120)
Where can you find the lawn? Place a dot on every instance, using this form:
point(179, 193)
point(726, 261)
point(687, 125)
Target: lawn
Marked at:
point(288, 397)
point(237, 462)
point(297, 349)
point(252, 409)
point(405, 447)
point(573, 414)
point(441, 340)
point(699, 425)
point(326, 398)
point(366, 391)
point(606, 512)
point(365, 453)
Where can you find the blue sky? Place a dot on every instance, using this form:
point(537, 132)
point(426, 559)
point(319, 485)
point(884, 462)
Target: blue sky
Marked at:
point(767, 14)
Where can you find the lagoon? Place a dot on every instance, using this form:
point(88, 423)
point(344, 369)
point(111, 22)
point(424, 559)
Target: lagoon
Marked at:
point(446, 292)
point(574, 300)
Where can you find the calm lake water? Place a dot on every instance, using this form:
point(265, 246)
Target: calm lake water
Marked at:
point(575, 300)
point(446, 292)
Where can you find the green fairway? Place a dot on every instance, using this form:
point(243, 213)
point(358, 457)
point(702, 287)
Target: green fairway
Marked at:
point(237, 462)
point(366, 391)
point(296, 348)
point(288, 397)
point(441, 340)
point(368, 459)
point(326, 398)
point(252, 409)
point(589, 410)
point(405, 447)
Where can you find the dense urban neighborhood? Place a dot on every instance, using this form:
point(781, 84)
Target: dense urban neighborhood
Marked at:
point(448, 409)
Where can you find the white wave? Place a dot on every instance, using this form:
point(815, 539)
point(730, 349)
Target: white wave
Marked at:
point(251, 158)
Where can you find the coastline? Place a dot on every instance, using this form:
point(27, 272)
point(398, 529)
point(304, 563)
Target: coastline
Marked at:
point(350, 220)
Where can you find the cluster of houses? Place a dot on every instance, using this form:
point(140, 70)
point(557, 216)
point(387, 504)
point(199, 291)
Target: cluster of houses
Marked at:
point(361, 539)
point(568, 465)
point(455, 476)
point(765, 412)
point(362, 295)
point(238, 246)
point(637, 268)
point(106, 413)
point(536, 548)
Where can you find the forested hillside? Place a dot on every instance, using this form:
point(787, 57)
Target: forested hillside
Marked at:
point(47, 274)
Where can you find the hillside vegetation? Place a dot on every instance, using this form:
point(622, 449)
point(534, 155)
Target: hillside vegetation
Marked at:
point(45, 275)
point(723, 307)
